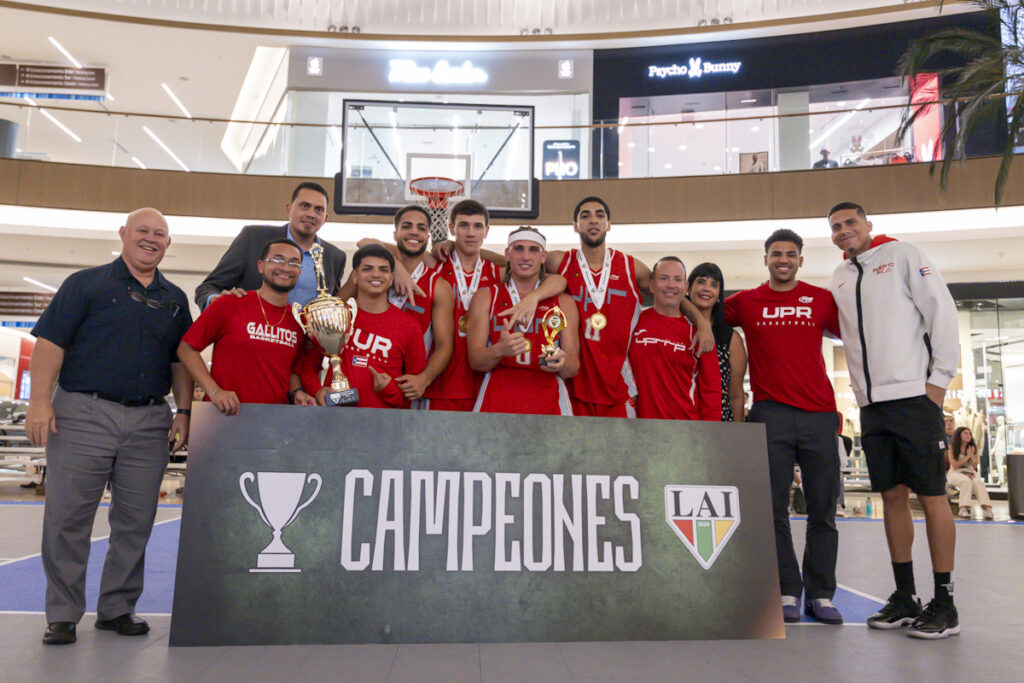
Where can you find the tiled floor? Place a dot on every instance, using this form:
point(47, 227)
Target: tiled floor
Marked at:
point(990, 561)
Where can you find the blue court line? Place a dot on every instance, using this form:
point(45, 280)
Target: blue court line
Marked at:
point(803, 518)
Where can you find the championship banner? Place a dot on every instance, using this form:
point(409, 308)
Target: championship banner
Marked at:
point(351, 525)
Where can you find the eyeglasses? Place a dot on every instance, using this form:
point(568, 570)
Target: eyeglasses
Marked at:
point(294, 265)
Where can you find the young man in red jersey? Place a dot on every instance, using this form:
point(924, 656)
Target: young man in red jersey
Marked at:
point(672, 381)
point(606, 286)
point(257, 343)
point(521, 377)
point(385, 343)
point(467, 272)
point(783, 322)
point(430, 302)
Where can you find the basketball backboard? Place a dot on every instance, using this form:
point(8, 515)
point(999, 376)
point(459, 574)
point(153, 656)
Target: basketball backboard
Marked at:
point(387, 145)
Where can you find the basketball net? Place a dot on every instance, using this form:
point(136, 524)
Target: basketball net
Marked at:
point(436, 193)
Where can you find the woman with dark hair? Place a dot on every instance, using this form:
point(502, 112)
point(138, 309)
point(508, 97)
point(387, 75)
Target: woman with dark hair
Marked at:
point(963, 472)
point(705, 292)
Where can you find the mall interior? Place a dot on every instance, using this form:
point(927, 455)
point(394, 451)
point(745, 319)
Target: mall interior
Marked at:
point(705, 125)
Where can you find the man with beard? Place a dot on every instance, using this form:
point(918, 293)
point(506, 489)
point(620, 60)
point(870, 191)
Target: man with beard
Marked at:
point(257, 343)
point(385, 343)
point(430, 302)
point(236, 272)
point(783, 321)
point(520, 377)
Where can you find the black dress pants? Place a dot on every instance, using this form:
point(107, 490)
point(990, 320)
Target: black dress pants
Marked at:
point(797, 437)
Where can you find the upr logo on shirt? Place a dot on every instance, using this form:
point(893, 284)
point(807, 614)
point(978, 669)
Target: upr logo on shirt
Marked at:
point(374, 344)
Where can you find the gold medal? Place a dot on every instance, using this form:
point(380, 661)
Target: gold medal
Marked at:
point(598, 321)
point(463, 323)
point(528, 345)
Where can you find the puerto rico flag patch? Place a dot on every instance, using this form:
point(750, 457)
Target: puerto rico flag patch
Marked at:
point(703, 517)
point(360, 361)
point(925, 272)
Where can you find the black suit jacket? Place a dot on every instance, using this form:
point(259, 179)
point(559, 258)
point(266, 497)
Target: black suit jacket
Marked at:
point(237, 267)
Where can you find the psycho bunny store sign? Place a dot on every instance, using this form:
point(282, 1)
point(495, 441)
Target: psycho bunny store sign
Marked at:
point(359, 528)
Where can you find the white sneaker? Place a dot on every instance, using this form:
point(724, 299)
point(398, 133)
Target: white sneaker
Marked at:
point(965, 513)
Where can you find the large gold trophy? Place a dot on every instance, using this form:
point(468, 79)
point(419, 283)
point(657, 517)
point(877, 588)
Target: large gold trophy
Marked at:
point(329, 320)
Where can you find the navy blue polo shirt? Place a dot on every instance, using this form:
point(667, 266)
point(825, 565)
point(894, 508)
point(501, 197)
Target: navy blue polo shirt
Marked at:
point(113, 344)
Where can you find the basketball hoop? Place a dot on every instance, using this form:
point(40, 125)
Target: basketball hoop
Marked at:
point(437, 191)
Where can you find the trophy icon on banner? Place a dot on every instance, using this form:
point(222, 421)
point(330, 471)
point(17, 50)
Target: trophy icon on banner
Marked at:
point(329, 320)
point(553, 322)
point(279, 495)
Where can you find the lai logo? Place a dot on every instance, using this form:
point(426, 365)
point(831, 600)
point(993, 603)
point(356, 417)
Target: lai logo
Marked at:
point(703, 517)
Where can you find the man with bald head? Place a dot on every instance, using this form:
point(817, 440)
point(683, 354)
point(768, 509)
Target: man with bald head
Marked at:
point(104, 361)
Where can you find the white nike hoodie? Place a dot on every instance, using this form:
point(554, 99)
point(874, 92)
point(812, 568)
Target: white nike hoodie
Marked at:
point(898, 321)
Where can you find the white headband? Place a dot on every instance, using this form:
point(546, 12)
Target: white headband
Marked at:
point(521, 235)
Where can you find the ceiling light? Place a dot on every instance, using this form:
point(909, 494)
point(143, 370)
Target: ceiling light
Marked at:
point(682, 148)
point(841, 103)
point(718, 168)
point(755, 129)
point(165, 148)
point(749, 101)
point(138, 163)
point(650, 149)
point(265, 83)
point(698, 126)
point(735, 149)
point(668, 165)
point(109, 96)
point(117, 253)
point(28, 99)
point(631, 145)
point(60, 125)
point(53, 41)
point(621, 164)
point(170, 93)
point(37, 283)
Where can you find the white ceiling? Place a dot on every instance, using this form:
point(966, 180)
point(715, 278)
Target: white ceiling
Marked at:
point(483, 17)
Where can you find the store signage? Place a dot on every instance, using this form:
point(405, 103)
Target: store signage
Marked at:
point(407, 71)
point(561, 159)
point(696, 68)
point(32, 76)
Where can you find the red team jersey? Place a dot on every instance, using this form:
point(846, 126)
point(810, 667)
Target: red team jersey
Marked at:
point(672, 384)
point(517, 384)
point(423, 308)
point(605, 377)
point(783, 332)
point(252, 358)
point(390, 342)
point(459, 383)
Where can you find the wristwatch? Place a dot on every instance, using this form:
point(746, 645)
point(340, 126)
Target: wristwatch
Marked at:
point(183, 411)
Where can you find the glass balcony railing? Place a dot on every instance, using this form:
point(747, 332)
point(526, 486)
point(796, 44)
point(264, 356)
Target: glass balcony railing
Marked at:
point(642, 145)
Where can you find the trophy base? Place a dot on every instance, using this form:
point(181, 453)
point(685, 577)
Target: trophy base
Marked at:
point(275, 562)
point(346, 397)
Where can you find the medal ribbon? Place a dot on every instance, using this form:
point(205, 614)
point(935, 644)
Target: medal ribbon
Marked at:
point(513, 293)
point(599, 291)
point(466, 292)
point(416, 274)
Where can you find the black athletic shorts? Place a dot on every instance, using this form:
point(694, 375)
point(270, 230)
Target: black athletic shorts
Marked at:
point(904, 443)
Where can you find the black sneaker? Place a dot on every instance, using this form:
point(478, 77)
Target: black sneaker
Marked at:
point(900, 609)
point(938, 620)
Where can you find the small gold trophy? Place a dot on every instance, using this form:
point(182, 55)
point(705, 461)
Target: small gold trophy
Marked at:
point(329, 320)
point(552, 324)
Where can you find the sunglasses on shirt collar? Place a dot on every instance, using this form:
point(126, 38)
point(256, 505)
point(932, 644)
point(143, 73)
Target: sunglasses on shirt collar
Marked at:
point(155, 304)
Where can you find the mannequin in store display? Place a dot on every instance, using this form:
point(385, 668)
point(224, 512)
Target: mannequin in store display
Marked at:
point(999, 447)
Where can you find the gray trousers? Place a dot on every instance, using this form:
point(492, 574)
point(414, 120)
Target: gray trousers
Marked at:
point(98, 442)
